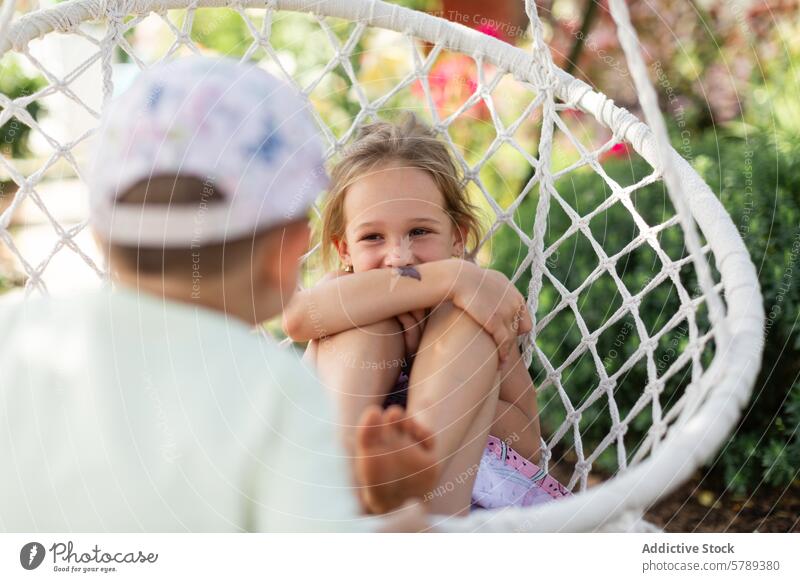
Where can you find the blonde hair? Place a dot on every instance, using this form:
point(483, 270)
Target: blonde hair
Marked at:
point(413, 143)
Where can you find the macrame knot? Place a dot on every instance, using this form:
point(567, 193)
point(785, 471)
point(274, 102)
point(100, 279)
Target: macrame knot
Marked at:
point(671, 269)
point(657, 429)
point(654, 388)
point(116, 10)
point(607, 385)
point(439, 128)
point(619, 430)
point(608, 264)
point(551, 79)
point(503, 217)
point(12, 109)
point(632, 303)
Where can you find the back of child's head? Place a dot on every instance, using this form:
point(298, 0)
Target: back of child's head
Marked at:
point(412, 144)
point(195, 162)
point(207, 260)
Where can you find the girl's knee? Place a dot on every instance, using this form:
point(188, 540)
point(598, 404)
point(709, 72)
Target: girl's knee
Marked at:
point(454, 329)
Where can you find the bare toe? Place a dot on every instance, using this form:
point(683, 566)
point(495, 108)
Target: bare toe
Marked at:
point(368, 434)
point(419, 433)
point(393, 419)
point(394, 414)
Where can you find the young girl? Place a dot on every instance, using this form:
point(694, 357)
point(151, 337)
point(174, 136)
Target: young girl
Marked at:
point(400, 222)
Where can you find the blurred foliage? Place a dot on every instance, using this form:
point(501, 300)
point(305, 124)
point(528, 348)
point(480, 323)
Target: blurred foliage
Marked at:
point(709, 50)
point(15, 83)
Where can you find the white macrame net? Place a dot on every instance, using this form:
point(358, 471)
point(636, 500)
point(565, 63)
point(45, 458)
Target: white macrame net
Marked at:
point(534, 134)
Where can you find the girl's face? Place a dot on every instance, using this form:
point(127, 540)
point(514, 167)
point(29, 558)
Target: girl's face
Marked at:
point(395, 216)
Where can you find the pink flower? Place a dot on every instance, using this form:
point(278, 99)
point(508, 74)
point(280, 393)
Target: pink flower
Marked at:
point(573, 113)
point(490, 30)
point(453, 80)
point(618, 150)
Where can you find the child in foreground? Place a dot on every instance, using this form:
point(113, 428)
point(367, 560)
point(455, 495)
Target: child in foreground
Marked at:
point(155, 406)
point(399, 220)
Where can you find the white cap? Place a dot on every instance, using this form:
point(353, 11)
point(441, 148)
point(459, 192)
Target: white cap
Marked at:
point(233, 126)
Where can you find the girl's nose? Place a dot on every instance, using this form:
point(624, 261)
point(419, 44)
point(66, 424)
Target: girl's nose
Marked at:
point(400, 255)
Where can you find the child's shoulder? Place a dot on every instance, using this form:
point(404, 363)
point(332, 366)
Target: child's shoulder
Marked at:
point(17, 305)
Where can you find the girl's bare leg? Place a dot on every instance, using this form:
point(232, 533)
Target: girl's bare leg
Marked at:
point(360, 366)
point(512, 426)
point(393, 458)
point(453, 392)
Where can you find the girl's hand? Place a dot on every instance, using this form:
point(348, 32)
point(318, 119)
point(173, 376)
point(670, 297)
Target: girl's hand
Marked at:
point(413, 324)
point(490, 299)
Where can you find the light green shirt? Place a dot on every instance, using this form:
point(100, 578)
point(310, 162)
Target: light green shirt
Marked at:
point(123, 413)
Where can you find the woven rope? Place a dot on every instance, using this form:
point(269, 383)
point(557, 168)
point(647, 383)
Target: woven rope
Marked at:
point(6, 14)
point(682, 436)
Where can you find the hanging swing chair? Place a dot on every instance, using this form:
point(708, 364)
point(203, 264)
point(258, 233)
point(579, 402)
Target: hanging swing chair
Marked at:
point(690, 402)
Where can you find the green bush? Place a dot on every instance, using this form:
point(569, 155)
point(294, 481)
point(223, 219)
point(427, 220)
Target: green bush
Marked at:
point(14, 84)
point(758, 184)
point(766, 443)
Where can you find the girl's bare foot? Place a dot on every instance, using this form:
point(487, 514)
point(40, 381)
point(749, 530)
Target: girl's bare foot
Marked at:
point(394, 461)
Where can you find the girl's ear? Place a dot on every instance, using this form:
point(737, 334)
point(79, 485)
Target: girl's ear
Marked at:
point(341, 248)
point(459, 242)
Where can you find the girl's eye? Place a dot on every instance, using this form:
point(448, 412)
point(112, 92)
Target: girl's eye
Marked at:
point(418, 231)
point(371, 237)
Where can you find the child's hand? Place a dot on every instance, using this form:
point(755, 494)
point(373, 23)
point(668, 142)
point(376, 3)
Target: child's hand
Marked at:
point(413, 324)
point(493, 302)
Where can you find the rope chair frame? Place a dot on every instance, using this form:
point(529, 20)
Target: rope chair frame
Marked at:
point(679, 441)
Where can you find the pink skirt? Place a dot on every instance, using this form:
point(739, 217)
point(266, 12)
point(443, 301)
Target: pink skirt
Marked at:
point(507, 479)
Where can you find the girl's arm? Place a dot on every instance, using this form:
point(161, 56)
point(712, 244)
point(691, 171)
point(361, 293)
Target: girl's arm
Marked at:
point(346, 300)
point(364, 298)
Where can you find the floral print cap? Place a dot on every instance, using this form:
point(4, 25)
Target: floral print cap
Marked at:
point(247, 136)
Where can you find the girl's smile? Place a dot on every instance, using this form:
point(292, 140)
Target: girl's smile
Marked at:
point(394, 217)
